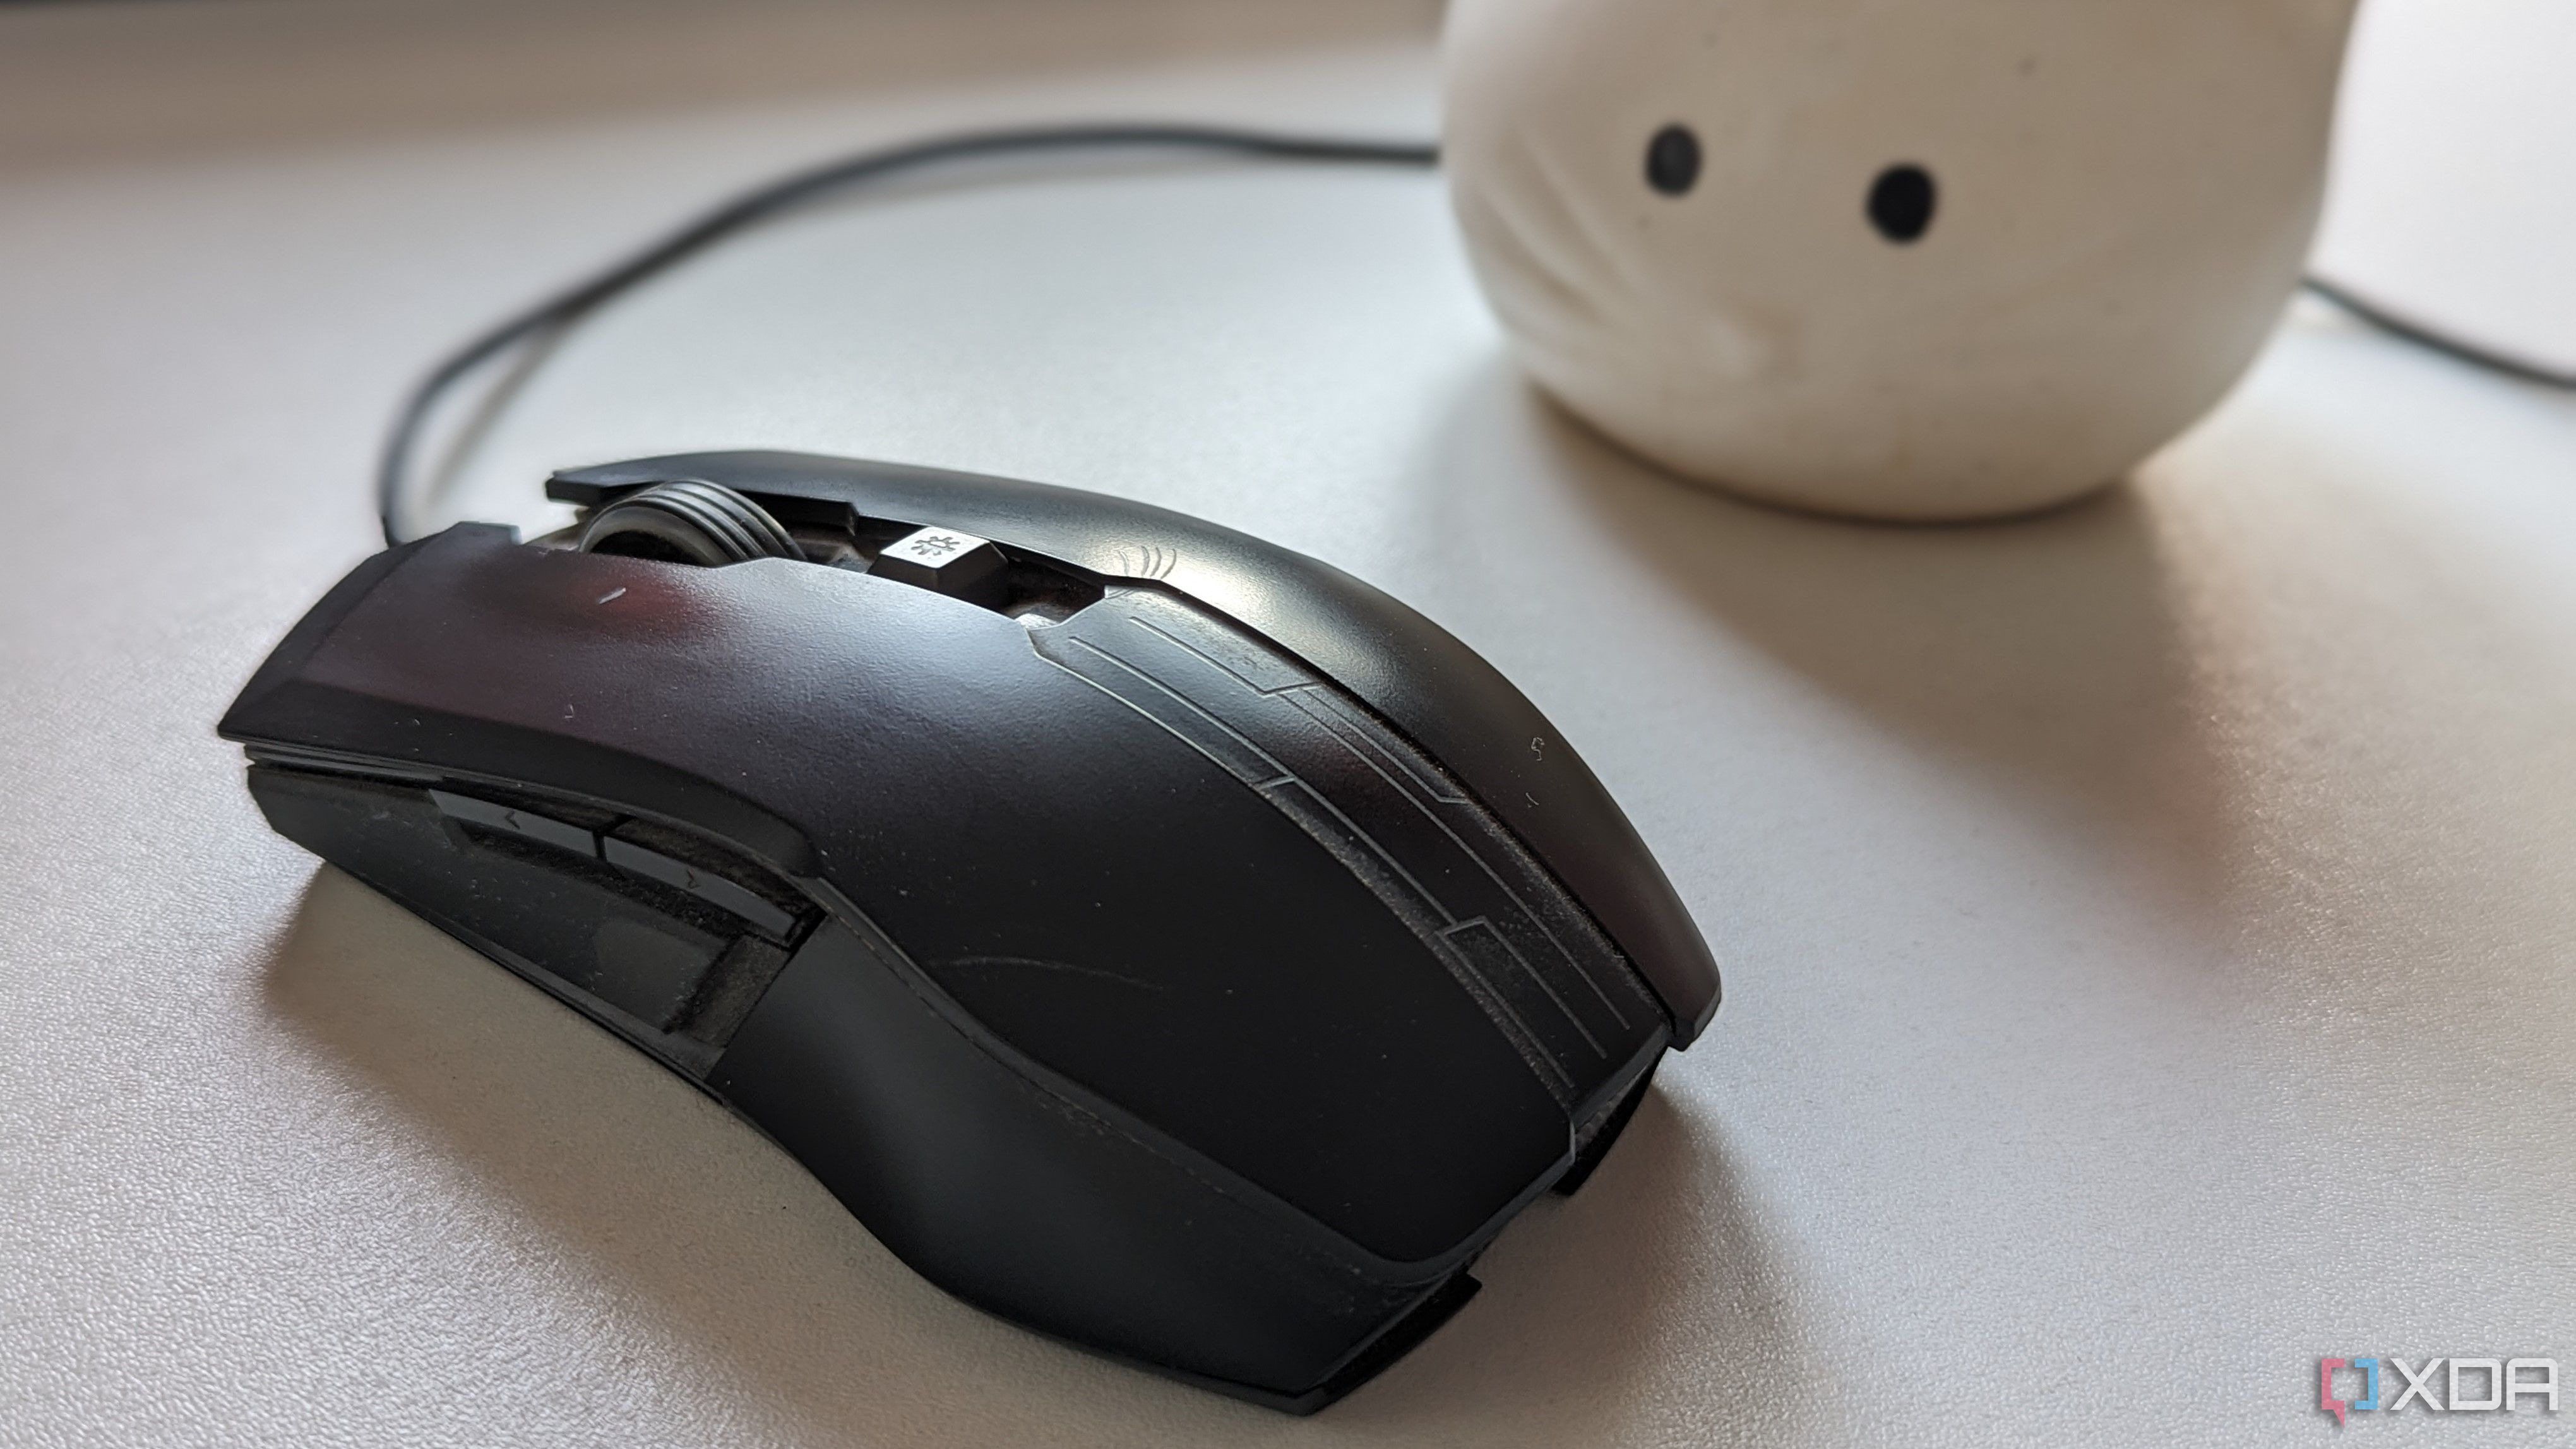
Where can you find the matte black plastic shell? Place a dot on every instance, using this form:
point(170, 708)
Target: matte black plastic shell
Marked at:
point(1408, 669)
point(898, 1079)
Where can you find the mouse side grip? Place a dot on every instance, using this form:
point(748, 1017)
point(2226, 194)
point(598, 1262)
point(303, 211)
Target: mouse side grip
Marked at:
point(1036, 1207)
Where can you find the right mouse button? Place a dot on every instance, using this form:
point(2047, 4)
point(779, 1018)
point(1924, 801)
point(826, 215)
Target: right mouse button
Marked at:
point(1528, 953)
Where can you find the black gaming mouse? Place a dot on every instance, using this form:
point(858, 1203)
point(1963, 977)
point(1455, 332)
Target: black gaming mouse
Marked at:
point(1157, 938)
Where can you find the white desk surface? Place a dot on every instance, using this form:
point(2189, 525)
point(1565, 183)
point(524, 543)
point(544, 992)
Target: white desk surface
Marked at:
point(2149, 929)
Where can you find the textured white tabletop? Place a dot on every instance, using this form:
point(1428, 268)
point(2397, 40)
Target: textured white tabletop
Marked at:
point(2150, 930)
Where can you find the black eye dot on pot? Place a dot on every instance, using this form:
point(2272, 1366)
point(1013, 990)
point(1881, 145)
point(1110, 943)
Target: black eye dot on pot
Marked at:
point(1672, 160)
point(1901, 202)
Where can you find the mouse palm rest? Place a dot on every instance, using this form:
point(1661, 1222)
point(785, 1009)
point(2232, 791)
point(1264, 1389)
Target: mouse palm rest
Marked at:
point(1155, 937)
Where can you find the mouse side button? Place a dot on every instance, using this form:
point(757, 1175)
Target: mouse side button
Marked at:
point(714, 889)
point(526, 824)
point(554, 917)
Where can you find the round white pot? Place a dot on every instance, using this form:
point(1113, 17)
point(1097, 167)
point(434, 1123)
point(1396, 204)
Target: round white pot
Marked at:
point(1914, 259)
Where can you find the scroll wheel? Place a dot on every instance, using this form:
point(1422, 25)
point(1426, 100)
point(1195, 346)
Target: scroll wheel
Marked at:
point(688, 522)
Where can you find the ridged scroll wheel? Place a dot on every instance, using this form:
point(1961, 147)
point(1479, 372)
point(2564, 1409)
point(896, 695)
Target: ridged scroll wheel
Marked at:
point(688, 521)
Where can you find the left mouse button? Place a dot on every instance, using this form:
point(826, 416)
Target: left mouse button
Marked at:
point(510, 820)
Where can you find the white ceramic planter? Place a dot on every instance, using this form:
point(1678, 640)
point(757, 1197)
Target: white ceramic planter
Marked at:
point(1916, 259)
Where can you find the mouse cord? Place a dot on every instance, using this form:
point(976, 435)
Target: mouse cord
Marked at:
point(549, 317)
point(2433, 338)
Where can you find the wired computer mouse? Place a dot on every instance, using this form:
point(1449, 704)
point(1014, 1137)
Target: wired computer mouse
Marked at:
point(1157, 938)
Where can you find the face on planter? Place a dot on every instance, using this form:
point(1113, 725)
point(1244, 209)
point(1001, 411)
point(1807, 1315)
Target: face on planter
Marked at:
point(1917, 260)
